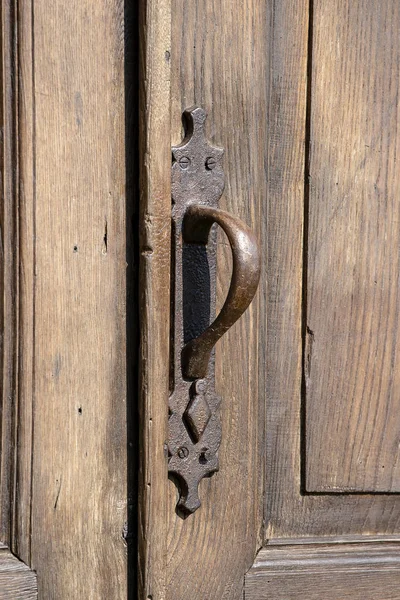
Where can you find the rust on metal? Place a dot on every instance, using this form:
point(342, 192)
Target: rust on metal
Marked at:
point(194, 421)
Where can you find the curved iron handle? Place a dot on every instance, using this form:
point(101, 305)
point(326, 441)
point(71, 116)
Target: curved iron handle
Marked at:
point(196, 226)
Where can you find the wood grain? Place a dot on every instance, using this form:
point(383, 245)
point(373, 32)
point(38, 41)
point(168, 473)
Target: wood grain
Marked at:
point(17, 581)
point(356, 571)
point(21, 540)
point(155, 248)
point(17, 276)
point(353, 379)
point(216, 51)
point(285, 176)
point(289, 512)
point(78, 503)
point(9, 266)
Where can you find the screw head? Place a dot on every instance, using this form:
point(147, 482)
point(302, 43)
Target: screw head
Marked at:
point(184, 162)
point(210, 163)
point(183, 452)
point(199, 386)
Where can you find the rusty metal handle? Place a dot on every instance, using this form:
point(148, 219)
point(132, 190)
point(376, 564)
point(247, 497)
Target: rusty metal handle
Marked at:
point(196, 226)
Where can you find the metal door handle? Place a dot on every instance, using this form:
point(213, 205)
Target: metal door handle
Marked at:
point(194, 422)
point(197, 223)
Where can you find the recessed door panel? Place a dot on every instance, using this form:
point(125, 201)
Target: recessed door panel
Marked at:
point(352, 337)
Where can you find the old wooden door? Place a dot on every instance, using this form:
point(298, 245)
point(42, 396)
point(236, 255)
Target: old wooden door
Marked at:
point(303, 95)
point(304, 98)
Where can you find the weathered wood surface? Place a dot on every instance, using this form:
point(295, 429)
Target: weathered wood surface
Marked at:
point(21, 542)
point(216, 63)
point(353, 375)
point(155, 247)
point(71, 410)
point(352, 47)
point(8, 266)
point(356, 571)
point(17, 265)
point(286, 170)
point(65, 97)
point(17, 581)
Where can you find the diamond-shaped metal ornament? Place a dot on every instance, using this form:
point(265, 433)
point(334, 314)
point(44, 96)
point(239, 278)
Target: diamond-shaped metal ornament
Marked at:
point(197, 413)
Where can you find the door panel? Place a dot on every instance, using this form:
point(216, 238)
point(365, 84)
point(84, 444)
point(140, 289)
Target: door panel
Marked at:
point(63, 414)
point(292, 90)
point(79, 412)
point(304, 430)
point(352, 377)
point(303, 98)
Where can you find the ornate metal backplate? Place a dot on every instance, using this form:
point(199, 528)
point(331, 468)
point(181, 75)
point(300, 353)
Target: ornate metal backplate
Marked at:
point(194, 422)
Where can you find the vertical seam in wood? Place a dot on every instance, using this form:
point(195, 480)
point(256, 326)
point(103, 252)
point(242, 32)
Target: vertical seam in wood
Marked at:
point(16, 248)
point(131, 81)
point(305, 361)
point(270, 49)
point(9, 268)
point(34, 270)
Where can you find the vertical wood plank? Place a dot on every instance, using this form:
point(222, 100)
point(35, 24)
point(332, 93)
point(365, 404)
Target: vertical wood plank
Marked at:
point(9, 262)
point(218, 62)
point(353, 380)
point(155, 245)
point(286, 170)
point(79, 410)
point(17, 275)
point(23, 478)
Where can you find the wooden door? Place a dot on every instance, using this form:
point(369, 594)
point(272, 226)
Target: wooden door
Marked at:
point(304, 98)
point(63, 472)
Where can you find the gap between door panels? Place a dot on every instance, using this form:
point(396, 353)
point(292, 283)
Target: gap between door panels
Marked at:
point(306, 333)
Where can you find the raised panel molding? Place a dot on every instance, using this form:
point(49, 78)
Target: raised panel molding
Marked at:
point(360, 571)
point(17, 581)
